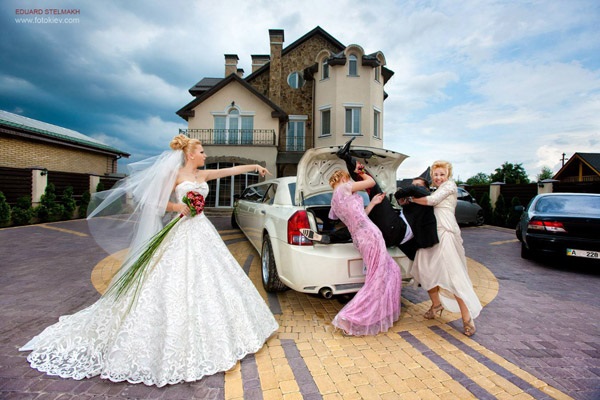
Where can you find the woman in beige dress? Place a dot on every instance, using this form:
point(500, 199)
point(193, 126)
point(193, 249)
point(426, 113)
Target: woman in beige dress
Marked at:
point(442, 269)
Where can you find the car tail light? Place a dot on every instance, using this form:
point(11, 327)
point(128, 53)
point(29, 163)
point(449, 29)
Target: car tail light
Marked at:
point(296, 222)
point(550, 226)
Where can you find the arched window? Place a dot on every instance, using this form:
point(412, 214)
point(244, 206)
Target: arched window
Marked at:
point(352, 65)
point(325, 69)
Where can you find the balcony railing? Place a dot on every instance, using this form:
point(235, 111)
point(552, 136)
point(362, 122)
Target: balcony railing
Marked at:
point(232, 137)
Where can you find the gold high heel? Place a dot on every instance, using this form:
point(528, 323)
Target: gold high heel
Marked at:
point(430, 314)
point(469, 327)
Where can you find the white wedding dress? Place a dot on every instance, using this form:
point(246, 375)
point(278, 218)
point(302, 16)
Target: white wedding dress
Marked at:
point(197, 314)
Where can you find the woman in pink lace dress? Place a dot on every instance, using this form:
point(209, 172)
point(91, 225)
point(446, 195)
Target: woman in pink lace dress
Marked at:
point(376, 306)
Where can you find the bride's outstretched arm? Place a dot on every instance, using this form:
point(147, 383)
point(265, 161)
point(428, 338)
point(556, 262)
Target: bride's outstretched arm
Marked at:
point(211, 174)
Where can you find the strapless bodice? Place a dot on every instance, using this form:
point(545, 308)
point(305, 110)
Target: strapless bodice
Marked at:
point(186, 186)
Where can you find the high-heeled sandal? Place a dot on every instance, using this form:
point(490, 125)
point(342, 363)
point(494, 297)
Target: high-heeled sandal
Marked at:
point(430, 314)
point(469, 327)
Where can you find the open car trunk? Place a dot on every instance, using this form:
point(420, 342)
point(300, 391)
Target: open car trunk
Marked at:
point(312, 185)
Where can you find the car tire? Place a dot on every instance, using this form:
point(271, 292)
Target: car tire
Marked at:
point(525, 252)
point(234, 223)
point(479, 219)
point(270, 277)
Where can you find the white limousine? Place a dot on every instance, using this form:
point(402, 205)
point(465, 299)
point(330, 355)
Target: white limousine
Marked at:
point(271, 214)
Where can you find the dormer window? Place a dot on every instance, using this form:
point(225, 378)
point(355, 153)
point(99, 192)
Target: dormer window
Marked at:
point(352, 65)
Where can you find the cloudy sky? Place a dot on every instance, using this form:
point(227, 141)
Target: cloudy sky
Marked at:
point(476, 82)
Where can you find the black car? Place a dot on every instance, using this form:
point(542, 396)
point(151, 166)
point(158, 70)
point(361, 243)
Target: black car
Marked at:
point(561, 224)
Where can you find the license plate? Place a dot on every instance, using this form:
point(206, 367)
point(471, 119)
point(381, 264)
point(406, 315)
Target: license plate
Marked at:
point(583, 253)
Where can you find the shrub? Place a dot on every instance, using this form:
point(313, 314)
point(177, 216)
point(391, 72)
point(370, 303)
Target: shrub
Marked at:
point(4, 210)
point(22, 212)
point(500, 213)
point(99, 187)
point(513, 216)
point(486, 205)
point(68, 203)
point(83, 206)
point(49, 210)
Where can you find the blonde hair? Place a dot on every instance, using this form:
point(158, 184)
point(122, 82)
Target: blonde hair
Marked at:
point(337, 177)
point(182, 142)
point(444, 165)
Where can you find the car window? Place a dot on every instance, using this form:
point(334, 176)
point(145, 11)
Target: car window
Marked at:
point(463, 195)
point(269, 196)
point(322, 199)
point(254, 193)
point(569, 204)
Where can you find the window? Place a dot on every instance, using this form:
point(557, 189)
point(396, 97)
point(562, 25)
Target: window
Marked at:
point(325, 122)
point(376, 124)
point(352, 120)
point(223, 189)
point(377, 74)
point(324, 69)
point(247, 129)
point(295, 136)
point(295, 80)
point(352, 65)
point(233, 128)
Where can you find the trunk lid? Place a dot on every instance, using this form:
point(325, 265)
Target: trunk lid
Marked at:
point(318, 164)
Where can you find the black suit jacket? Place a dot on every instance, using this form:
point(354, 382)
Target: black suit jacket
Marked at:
point(421, 220)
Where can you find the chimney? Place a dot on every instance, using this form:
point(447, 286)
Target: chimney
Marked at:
point(258, 60)
point(275, 82)
point(231, 61)
point(240, 72)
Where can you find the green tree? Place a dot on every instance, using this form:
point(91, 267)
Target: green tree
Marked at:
point(22, 212)
point(500, 212)
point(509, 173)
point(4, 210)
point(83, 206)
point(486, 205)
point(68, 203)
point(49, 209)
point(479, 179)
point(513, 215)
point(100, 187)
point(545, 173)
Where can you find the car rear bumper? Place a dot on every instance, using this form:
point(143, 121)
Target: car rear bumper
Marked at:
point(549, 244)
point(337, 267)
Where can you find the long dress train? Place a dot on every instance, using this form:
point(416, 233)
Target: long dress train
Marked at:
point(376, 306)
point(197, 314)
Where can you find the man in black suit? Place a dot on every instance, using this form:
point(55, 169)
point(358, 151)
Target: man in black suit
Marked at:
point(397, 226)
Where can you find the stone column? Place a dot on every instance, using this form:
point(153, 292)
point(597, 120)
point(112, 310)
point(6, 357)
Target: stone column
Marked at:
point(495, 192)
point(39, 182)
point(94, 181)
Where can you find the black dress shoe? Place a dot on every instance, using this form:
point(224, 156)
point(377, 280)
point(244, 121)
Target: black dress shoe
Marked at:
point(314, 236)
point(344, 151)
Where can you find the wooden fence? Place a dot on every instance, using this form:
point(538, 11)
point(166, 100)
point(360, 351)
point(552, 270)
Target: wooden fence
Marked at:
point(15, 183)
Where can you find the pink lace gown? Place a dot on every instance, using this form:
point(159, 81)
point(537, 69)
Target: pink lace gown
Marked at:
point(376, 306)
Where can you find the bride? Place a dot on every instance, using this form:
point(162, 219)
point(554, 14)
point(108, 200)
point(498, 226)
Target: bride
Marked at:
point(196, 313)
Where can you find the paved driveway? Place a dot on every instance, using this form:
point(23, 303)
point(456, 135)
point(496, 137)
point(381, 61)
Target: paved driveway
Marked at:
point(537, 337)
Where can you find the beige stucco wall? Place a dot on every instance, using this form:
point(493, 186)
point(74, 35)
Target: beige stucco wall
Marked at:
point(342, 90)
point(19, 153)
point(248, 104)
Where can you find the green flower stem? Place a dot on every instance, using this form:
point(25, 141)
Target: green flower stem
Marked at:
point(133, 277)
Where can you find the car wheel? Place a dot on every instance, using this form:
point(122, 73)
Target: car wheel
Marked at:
point(479, 219)
point(518, 233)
point(270, 277)
point(525, 252)
point(234, 223)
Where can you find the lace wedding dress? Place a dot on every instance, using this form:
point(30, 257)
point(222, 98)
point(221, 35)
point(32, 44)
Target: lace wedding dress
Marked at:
point(197, 313)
